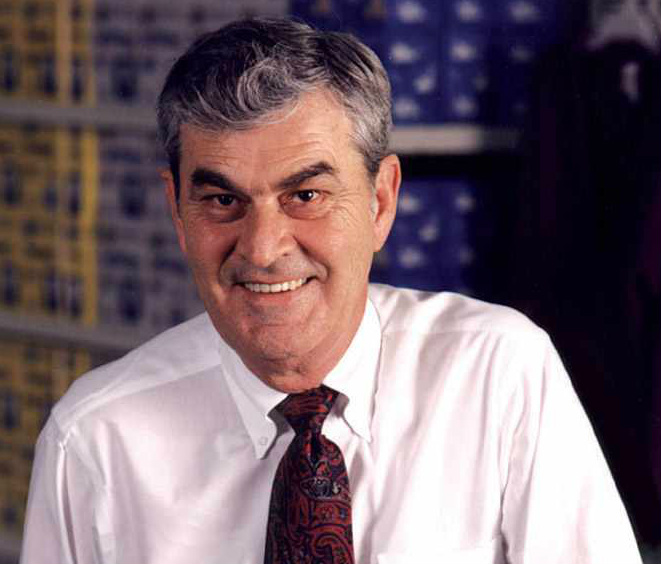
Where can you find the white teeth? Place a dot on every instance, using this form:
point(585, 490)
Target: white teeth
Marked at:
point(274, 288)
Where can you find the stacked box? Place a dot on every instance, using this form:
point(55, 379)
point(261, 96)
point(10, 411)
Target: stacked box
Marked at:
point(519, 56)
point(449, 61)
point(11, 192)
point(534, 18)
point(431, 245)
point(323, 14)
point(248, 8)
point(82, 88)
point(137, 41)
point(144, 280)
point(476, 15)
point(45, 50)
point(411, 57)
point(10, 48)
point(48, 209)
point(467, 61)
point(363, 18)
point(43, 53)
point(145, 286)
point(127, 220)
point(202, 16)
point(116, 55)
point(32, 377)
point(526, 29)
point(161, 40)
point(172, 296)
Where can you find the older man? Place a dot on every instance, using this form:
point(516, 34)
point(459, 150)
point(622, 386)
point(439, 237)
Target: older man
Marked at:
point(308, 417)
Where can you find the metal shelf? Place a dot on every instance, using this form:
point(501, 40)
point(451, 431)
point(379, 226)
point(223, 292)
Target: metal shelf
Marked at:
point(68, 333)
point(454, 139)
point(45, 113)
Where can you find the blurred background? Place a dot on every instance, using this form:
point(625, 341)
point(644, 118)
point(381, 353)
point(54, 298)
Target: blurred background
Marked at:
point(530, 136)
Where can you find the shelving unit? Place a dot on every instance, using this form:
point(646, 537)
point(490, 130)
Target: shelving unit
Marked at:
point(59, 332)
point(407, 140)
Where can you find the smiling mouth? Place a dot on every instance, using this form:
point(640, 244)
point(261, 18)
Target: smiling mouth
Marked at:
point(259, 288)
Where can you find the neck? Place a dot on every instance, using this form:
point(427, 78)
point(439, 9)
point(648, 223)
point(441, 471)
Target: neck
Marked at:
point(294, 375)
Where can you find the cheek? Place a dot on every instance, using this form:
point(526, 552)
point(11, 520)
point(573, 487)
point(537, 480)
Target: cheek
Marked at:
point(350, 244)
point(206, 247)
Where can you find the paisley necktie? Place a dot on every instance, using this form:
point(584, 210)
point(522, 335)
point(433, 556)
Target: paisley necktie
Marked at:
point(310, 512)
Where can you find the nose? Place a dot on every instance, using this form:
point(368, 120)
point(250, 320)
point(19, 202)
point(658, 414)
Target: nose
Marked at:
point(266, 236)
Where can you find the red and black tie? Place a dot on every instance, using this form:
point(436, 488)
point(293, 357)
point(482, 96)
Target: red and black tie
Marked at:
point(310, 511)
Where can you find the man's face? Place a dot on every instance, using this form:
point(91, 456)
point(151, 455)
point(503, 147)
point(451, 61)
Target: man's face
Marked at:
point(279, 227)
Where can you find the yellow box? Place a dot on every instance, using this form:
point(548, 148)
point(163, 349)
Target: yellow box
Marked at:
point(11, 412)
point(68, 364)
point(38, 168)
point(10, 285)
point(11, 193)
point(9, 140)
point(83, 83)
point(12, 509)
point(8, 469)
point(34, 354)
point(35, 407)
point(10, 48)
point(41, 66)
point(10, 365)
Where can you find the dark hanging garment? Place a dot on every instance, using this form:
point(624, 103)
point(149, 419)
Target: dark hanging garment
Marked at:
point(587, 250)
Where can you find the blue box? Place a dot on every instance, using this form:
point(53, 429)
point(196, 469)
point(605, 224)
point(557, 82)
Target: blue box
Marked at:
point(413, 66)
point(364, 15)
point(471, 14)
point(468, 95)
point(467, 87)
point(418, 80)
point(519, 57)
point(429, 247)
point(410, 49)
point(465, 47)
point(414, 13)
point(535, 17)
point(323, 14)
point(412, 109)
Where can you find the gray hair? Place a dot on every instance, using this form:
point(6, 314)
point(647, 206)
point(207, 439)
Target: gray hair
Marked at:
point(239, 76)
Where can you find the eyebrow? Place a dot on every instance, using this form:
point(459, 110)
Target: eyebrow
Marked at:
point(205, 177)
point(298, 178)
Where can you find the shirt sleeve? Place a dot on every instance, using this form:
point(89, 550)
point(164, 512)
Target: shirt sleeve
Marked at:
point(62, 506)
point(560, 503)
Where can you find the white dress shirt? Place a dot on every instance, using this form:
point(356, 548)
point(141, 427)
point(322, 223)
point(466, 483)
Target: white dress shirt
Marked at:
point(464, 442)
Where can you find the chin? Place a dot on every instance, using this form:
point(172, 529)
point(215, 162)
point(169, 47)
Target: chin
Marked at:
point(273, 352)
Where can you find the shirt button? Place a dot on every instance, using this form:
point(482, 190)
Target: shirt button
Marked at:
point(263, 441)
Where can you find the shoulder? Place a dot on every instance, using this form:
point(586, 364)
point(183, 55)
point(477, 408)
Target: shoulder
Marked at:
point(483, 351)
point(448, 314)
point(186, 349)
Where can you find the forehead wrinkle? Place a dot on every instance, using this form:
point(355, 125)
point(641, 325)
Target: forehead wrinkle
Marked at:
point(288, 145)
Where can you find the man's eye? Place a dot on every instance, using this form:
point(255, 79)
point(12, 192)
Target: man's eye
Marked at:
point(224, 199)
point(306, 195)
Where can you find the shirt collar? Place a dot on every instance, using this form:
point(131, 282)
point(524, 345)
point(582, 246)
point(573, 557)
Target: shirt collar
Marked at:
point(354, 377)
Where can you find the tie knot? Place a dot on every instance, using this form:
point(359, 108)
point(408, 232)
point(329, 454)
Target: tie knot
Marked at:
point(308, 410)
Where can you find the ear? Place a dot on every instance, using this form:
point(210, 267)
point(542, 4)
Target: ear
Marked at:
point(170, 193)
point(386, 189)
